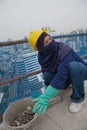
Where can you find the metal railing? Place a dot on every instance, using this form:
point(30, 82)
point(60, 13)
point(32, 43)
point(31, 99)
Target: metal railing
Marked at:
point(9, 43)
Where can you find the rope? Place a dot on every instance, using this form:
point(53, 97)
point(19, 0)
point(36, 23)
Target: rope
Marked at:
point(20, 77)
point(8, 43)
point(25, 75)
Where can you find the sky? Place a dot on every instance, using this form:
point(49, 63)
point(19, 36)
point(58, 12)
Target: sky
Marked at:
point(19, 17)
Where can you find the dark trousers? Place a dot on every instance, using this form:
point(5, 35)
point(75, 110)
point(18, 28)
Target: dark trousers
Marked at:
point(78, 74)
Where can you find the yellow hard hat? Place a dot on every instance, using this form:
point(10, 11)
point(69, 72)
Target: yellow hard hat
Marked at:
point(34, 36)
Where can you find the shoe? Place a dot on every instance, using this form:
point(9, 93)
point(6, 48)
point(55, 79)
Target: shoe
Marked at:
point(75, 107)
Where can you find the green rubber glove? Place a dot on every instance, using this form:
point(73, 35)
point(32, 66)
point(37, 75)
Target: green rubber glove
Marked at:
point(43, 101)
point(36, 99)
point(45, 87)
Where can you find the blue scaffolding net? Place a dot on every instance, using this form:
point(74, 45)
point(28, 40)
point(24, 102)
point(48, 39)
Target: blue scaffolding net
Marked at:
point(20, 59)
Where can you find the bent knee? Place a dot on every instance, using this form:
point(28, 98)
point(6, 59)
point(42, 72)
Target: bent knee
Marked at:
point(73, 65)
point(76, 66)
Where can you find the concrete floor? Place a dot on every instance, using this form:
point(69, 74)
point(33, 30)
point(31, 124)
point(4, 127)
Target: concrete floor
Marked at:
point(58, 116)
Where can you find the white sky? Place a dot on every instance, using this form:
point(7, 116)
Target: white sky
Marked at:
point(19, 17)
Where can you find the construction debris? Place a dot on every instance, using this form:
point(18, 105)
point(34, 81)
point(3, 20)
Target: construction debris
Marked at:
point(24, 117)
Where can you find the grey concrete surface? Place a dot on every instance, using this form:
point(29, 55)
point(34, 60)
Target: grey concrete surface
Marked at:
point(58, 116)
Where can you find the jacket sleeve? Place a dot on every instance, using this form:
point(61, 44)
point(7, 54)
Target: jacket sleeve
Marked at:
point(60, 79)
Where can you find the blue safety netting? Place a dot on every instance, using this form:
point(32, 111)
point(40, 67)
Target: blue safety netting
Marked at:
point(14, 61)
point(20, 59)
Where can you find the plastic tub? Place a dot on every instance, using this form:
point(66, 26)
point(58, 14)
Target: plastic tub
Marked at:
point(12, 112)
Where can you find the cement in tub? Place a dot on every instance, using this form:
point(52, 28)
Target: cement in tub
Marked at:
point(16, 117)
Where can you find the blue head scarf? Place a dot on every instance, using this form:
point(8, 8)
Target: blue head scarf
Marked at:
point(48, 55)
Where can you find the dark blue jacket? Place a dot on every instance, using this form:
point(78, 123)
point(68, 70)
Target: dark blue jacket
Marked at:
point(62, 75)
point(56, 58)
